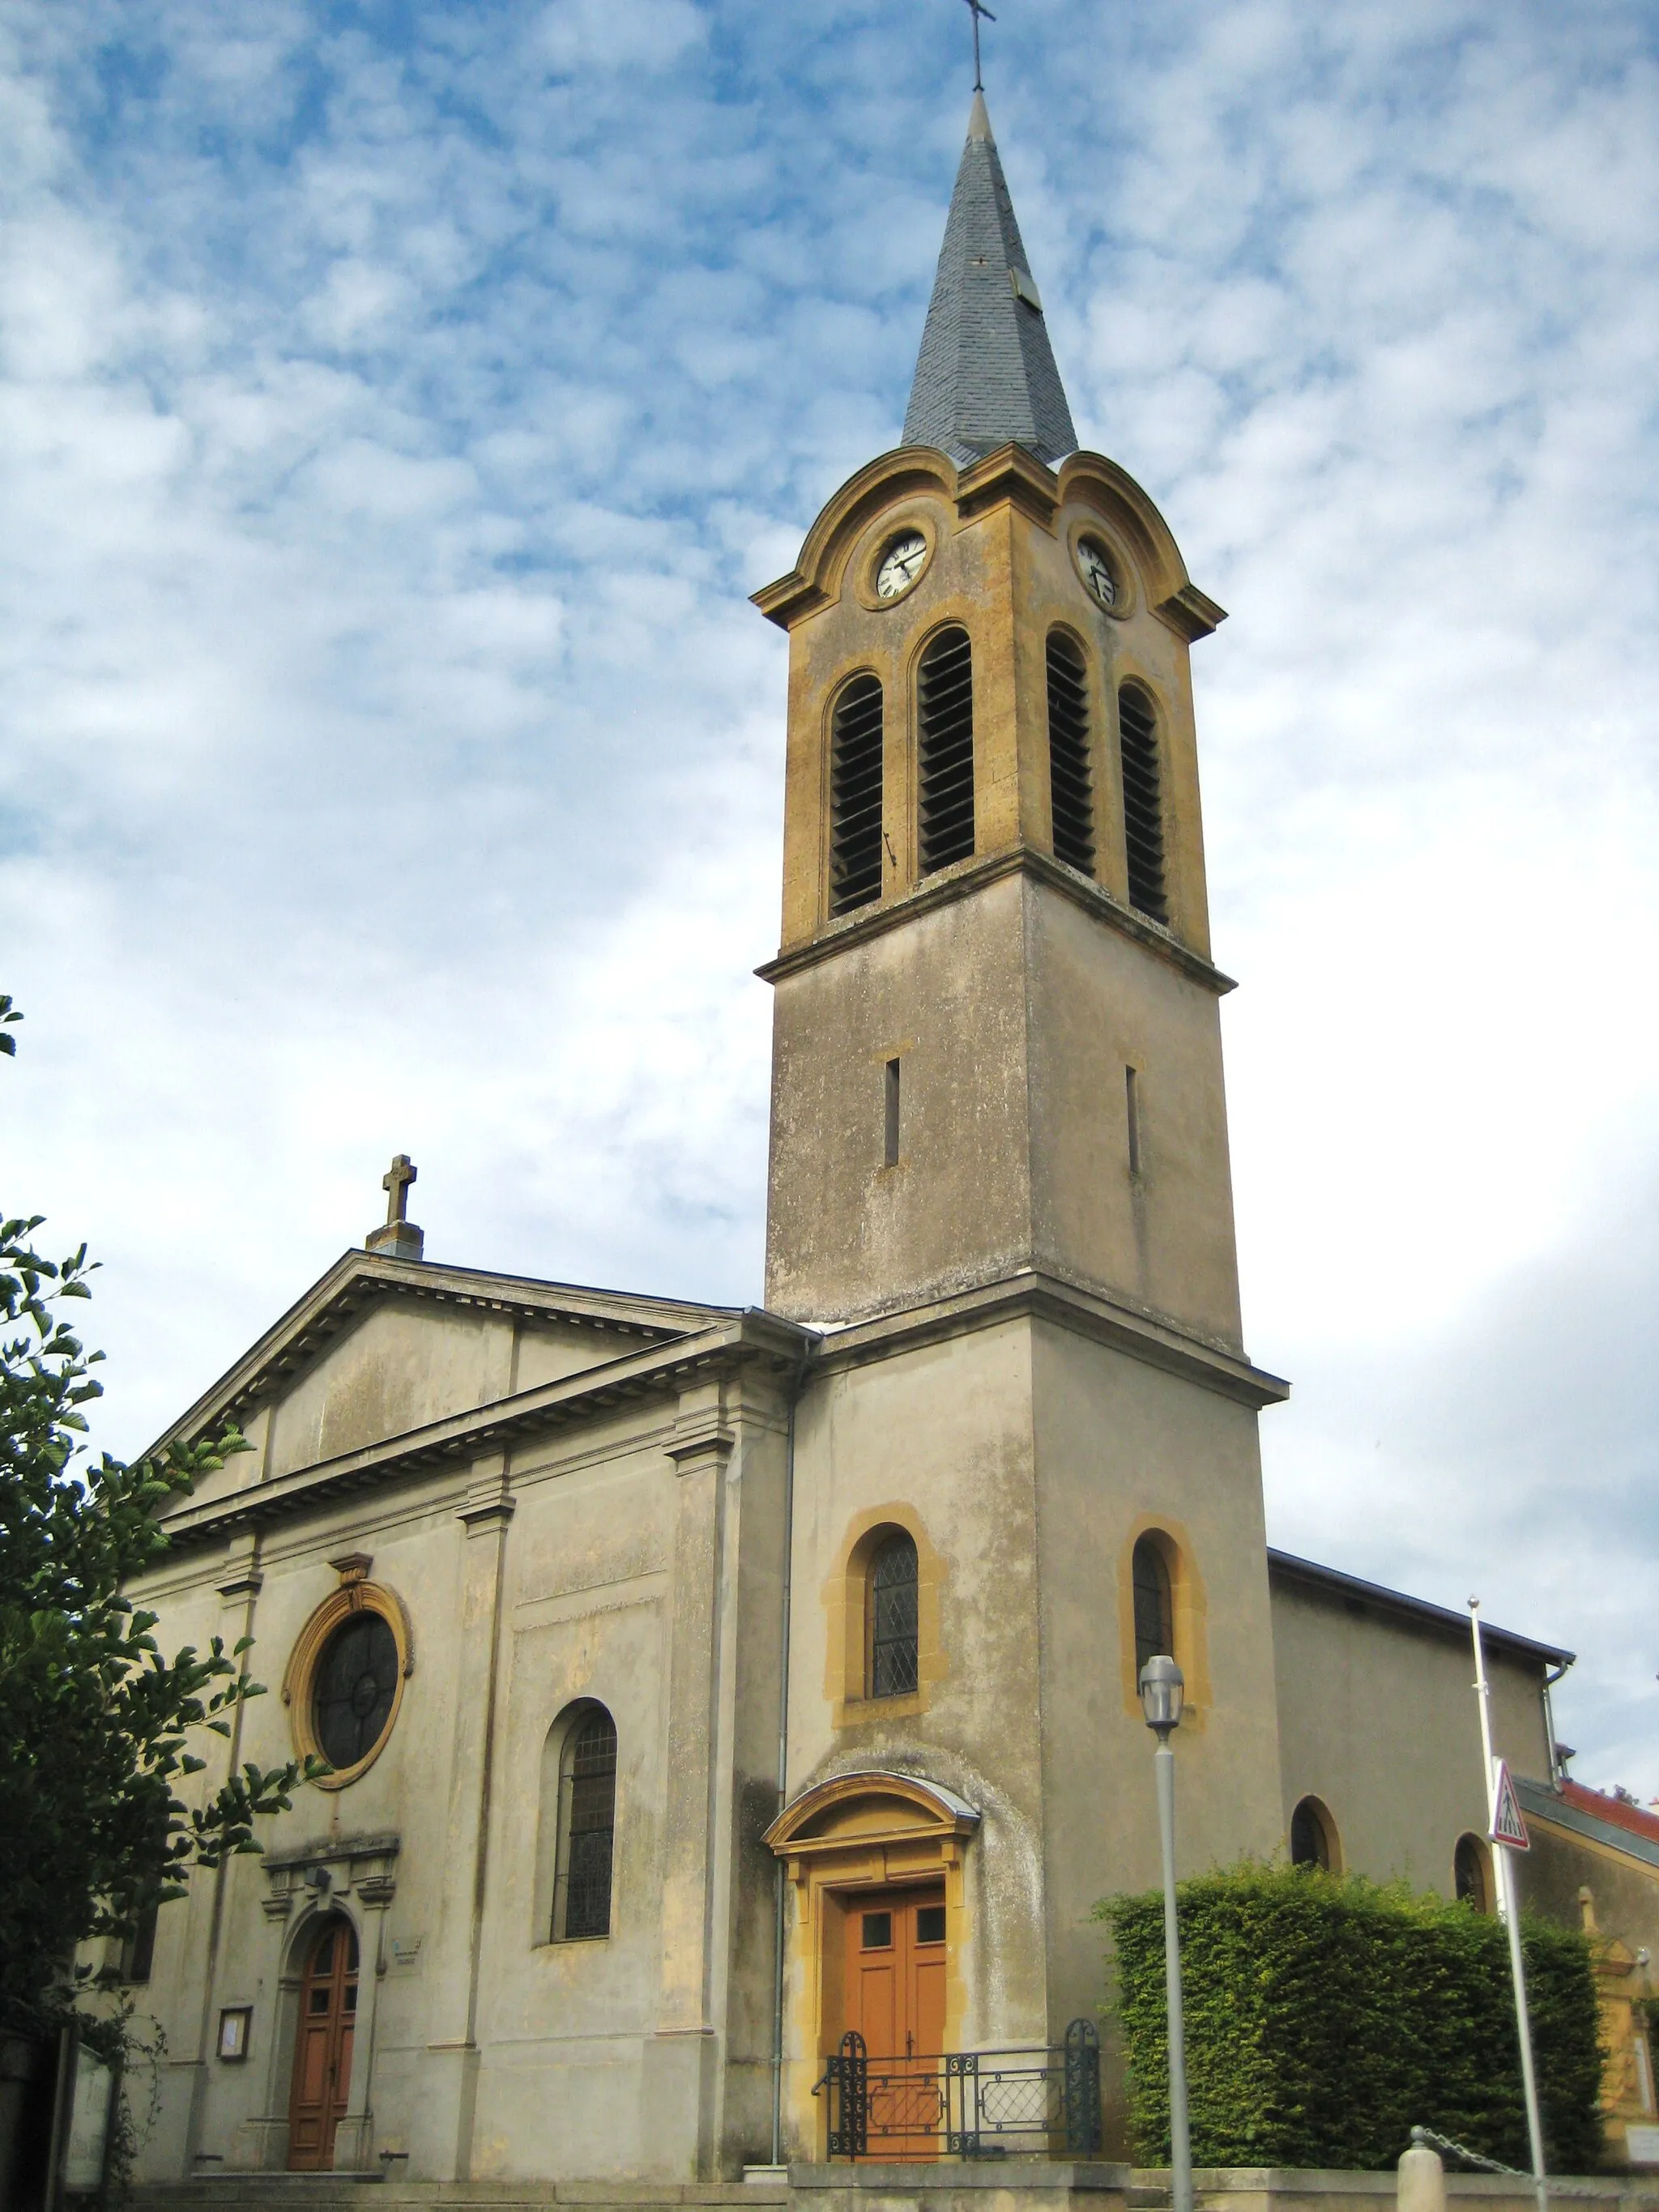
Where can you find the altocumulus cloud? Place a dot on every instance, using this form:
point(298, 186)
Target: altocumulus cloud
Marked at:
point(397, 405)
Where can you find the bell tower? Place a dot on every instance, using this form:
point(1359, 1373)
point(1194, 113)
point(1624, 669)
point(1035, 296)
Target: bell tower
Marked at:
point(999, 1184)
point(996, 1043)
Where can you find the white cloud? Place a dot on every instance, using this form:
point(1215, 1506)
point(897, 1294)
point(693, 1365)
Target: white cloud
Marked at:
point(394, 423)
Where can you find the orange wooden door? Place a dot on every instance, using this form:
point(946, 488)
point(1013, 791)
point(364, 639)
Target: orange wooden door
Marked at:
point(322, 2048)
point(894, 1984)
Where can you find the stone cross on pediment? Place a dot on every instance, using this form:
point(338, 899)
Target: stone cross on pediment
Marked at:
point(397, 1237)
point(396, 1181)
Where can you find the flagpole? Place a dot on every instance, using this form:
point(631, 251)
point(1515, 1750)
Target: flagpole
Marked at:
point(1509, 1909)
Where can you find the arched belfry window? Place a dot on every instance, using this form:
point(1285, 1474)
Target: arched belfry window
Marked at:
point(892, 1616)
point(944, 742)
point(1154, 1601)
point(1070, 783)
point(855, 730)
point(1143, 802)
point(587, 1826)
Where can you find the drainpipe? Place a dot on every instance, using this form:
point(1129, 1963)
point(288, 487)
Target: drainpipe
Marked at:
point(797, 1384)
point(1558, 1772)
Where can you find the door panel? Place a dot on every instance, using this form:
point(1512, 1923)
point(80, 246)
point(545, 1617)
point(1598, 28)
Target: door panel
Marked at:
point(322, 2048)
point(894, 1980)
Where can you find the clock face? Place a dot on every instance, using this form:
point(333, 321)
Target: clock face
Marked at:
point(1092, 559)
point(901, 564)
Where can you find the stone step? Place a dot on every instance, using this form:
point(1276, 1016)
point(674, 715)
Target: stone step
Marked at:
point(344, 2192)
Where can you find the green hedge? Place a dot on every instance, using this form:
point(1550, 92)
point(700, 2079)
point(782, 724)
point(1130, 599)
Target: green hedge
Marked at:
point(1325, 2016)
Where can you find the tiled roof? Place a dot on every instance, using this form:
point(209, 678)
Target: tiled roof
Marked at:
point(1613, 1810)
point(986, 376)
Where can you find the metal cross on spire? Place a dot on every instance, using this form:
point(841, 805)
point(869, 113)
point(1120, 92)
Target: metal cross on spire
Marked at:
point(976, 8)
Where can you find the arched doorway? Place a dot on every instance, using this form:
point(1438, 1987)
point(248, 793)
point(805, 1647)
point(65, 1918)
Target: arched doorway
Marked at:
point(875, 1862)
point(322, 2046)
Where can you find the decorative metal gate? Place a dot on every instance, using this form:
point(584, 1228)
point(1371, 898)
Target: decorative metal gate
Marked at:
point(1043, 2103)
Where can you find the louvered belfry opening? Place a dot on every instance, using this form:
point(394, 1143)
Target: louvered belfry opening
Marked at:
point(945, 720)
point(1069, 784)
point(855, 796)
point(1143, 803)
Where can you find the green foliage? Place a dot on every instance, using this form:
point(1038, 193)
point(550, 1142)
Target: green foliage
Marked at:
point(96, 1724)
point(1325, 2016)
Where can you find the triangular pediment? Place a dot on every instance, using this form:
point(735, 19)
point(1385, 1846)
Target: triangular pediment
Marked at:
point(381, 1346)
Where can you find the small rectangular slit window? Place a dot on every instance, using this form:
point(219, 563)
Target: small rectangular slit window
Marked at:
point(890, 1114)
point(1131, 1100)
point(878, 1932)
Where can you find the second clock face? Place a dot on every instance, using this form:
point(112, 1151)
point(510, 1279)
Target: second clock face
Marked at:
point(1098, 573)
point(901, 563)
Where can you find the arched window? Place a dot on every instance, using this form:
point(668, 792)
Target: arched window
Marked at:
point(1070, 783)
point(891, 1612)
point(855, 796)
point(1313, 1838)
point(587, 1826)
point(944, 771)
point(1154, 1601)
point(1472, 1873)
point(1143, 802)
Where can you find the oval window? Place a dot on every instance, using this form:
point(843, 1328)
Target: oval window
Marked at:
point(356, 1681)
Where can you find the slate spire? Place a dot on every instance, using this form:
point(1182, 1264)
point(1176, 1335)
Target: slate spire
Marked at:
point(986, 375)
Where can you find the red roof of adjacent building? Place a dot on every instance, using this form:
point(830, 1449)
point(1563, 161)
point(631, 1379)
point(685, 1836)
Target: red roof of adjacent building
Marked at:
point(1615, 1811)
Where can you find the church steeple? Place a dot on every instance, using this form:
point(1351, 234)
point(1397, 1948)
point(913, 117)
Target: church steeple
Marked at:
point(986, 376)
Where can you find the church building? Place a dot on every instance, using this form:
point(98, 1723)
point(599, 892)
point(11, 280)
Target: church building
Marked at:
point(701, 1685)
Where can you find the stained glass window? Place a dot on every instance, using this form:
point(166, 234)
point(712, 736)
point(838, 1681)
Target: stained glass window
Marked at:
point(356, 1679)
point(893, 1619)
point(588, 1841)
point(1154, 1607)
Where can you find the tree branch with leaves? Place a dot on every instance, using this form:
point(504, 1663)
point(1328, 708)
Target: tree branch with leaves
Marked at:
point(96, 1724)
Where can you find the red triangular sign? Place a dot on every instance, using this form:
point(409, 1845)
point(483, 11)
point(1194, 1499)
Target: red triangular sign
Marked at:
point(1507, 1826)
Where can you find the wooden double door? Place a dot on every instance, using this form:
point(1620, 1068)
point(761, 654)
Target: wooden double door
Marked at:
point(322, 2047)
point(894, 1978)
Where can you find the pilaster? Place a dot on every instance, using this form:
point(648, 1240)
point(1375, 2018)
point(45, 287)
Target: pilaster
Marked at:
point(239, 1590)
point(441, 2135)
point(680, 2061)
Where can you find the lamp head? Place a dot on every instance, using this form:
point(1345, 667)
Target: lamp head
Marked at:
point(1163, 1686)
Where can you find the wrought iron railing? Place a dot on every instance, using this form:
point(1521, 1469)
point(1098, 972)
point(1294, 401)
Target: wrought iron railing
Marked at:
point(966, 2104)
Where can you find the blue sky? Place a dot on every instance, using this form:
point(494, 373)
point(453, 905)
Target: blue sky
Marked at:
point(397, 405)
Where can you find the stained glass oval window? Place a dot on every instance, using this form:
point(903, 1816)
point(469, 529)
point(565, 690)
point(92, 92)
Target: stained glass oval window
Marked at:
point(356, 1680)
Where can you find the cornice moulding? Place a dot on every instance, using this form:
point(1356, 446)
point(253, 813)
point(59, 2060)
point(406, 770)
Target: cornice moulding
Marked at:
point(1034, 1292)
point(971, 876)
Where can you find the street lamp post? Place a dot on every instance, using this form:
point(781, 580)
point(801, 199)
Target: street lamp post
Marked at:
point(1162, 1689)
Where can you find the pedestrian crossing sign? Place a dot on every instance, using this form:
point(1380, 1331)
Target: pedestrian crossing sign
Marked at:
point(1507, 1826)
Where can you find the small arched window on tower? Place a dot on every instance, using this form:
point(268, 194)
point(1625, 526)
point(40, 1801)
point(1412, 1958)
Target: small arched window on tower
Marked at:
point(944, 767)
point(1154, 1601)
point(891, 1612)
point(1143, 803)
point(1070, 783)
point(587, 1826)
point(1472, 1873)
point(855, 769)
point(1313, 1838)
